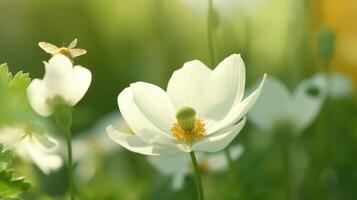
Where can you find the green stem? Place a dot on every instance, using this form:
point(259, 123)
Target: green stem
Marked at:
point(197, 176)
point(70, 164)
point(210, 34)
point(227, 152)
point(213, 56)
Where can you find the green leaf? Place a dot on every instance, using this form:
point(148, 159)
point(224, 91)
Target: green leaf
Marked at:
point(5, 155)
point(11, 186)
point(19, 83)
point(5, 76)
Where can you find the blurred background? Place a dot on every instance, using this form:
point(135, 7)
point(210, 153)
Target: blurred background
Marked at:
point(128, 41)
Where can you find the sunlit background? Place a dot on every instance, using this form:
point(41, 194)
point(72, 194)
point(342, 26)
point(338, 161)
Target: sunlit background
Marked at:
point(146, 40)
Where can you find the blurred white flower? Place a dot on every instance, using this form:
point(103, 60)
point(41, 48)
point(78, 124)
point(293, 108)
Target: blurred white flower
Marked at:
point(276, 104)
point(93, 145)
point(225, 8)
point(208, 106)
point(179, 166)
point(62, 83)
point(340, 85)
point(38, 149)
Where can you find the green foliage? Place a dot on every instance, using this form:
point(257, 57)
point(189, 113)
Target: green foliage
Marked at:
point(14, 106)
point(10, 186)
point(15, 109)
point(5, 155)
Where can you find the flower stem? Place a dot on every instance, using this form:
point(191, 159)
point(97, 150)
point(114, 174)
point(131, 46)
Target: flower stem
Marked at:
point(70, 164)
point(210, 34)
point(197, 176)
point(211, 23)
point(63, 116)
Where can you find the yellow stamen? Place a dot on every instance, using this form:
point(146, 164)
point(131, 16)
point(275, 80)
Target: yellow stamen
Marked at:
point(189, 136)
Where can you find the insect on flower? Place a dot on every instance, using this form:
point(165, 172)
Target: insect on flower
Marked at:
point(69, 51)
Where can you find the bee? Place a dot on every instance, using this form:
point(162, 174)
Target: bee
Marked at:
point(69, 51)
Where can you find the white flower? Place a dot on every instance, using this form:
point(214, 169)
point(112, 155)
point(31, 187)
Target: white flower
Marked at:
point(179, 166)
point(340, 85)
point(62, 81)
point(38, 149)
point(208, 104)
point(277, 105)
point(92, 145)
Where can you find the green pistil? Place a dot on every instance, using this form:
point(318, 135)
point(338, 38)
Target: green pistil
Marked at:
point(186, 118)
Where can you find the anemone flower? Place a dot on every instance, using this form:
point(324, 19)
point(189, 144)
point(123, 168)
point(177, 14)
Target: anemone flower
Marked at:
point(35, 148)
point(201, 110)
point(62, 83)
point(277, 105)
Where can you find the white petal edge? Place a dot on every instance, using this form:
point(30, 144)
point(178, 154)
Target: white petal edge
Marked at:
point(58, 76)
point(187, 85)
point(135, 144)
point(81, 80)
point(155, 104)
point(264, 114)
point(130, 142)
point(220, 141)
point(238, 111)
point(37, 96)
point(224, 87)
point(139, 123)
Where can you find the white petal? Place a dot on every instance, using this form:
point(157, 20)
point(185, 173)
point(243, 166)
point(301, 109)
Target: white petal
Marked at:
point(273, 105)
point(178, 179)
point(169, 165)
point(138, 122)
point(136, 144)
point(37, 96)
point(238, 110)
point(217, 162)
point(187, 85)
point(219, 141)
point(307, 106)
point(58, 76)
point(225, 86)
point(44, 158)
point(81, 80)
point(155, 104)
point(236, 151)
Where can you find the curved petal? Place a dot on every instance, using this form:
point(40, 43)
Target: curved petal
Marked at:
point(81, 79)
point(155, 104)
point(136, 144)
point(138, 122)
point(178, 179)
point(58, 76)
point(306, 106)
point(187, 85)
point(265, 114)
point(214, 143)
point(44, 158)
point(224, 87)
point(238, 110)
point(37, 96)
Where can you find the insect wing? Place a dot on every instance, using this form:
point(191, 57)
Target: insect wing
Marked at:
point(72, 44)
point(49, 48)
point(77, 52)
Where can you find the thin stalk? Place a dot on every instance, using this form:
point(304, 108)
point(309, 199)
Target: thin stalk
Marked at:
point(210, 34)
point(70, 164)
point(197, 176)
point(213, 56)
point(227, 152)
